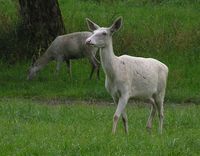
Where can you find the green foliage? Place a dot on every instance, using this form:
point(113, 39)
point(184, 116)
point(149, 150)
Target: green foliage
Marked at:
point(31, 129)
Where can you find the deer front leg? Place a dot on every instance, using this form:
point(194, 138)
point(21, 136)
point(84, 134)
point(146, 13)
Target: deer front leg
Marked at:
point(124, 115)
point(120, 108)
point(59, 61)
point(151, 116)
point(125, 121)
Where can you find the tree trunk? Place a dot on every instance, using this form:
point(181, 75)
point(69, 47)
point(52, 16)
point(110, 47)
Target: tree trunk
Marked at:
point(42, 21)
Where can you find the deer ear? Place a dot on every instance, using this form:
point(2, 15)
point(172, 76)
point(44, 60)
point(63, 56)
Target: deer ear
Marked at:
point(116, 25)
point(91, 25)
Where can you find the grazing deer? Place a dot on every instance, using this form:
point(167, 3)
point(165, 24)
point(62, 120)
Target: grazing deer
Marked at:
point(65, 48)
point(129, 77)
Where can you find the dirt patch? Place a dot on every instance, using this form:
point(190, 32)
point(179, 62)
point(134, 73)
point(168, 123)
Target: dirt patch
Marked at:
point(62, 101)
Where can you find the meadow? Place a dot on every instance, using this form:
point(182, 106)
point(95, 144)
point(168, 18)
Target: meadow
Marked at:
point(56, 115)
point(32, 127)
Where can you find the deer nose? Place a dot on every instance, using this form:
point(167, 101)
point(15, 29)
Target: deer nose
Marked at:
point(88, 41)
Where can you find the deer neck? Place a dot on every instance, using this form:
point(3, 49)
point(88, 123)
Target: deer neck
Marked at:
point(42, 61)
point(108, 57)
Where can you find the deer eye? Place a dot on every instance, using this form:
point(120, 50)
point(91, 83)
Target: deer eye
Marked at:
point(104, 33)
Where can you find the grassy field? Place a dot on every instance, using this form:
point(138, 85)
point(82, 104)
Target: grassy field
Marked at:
point(31, 127)
point(53, 115)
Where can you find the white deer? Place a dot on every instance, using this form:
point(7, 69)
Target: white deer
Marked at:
point(65, 48)
point(129, 77)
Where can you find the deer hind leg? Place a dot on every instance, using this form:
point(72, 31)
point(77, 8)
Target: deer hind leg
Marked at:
point(120, 108)
point(92, 71)
point(98, 72)
point(151, 116)
point(95, 66)
point(159, 103)
point(69, 68)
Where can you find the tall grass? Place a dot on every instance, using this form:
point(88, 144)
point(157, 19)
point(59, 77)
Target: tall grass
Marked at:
point(147, 28)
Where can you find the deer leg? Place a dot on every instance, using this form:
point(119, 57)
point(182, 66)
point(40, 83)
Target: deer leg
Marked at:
point(151, 116)
point(59, 61)
point(92, 71)
point(69, 68)
point(95, 66)
point(121, 106)
point(125, 121)
point(98, 72)
point(115, 99)
point(160, 115)
point(159, 103)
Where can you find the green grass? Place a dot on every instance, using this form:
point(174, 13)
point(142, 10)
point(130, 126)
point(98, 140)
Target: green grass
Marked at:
point(148, 28)
point(31, 127)
point(47, 84)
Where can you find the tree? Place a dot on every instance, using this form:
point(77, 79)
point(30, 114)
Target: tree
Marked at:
point(42, 21)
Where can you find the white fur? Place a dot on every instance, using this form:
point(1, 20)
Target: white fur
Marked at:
point(129, 77)
point(65, 48)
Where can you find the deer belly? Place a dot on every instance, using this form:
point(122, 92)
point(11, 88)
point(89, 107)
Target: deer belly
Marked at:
point(145, 92)
point(74, 55)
